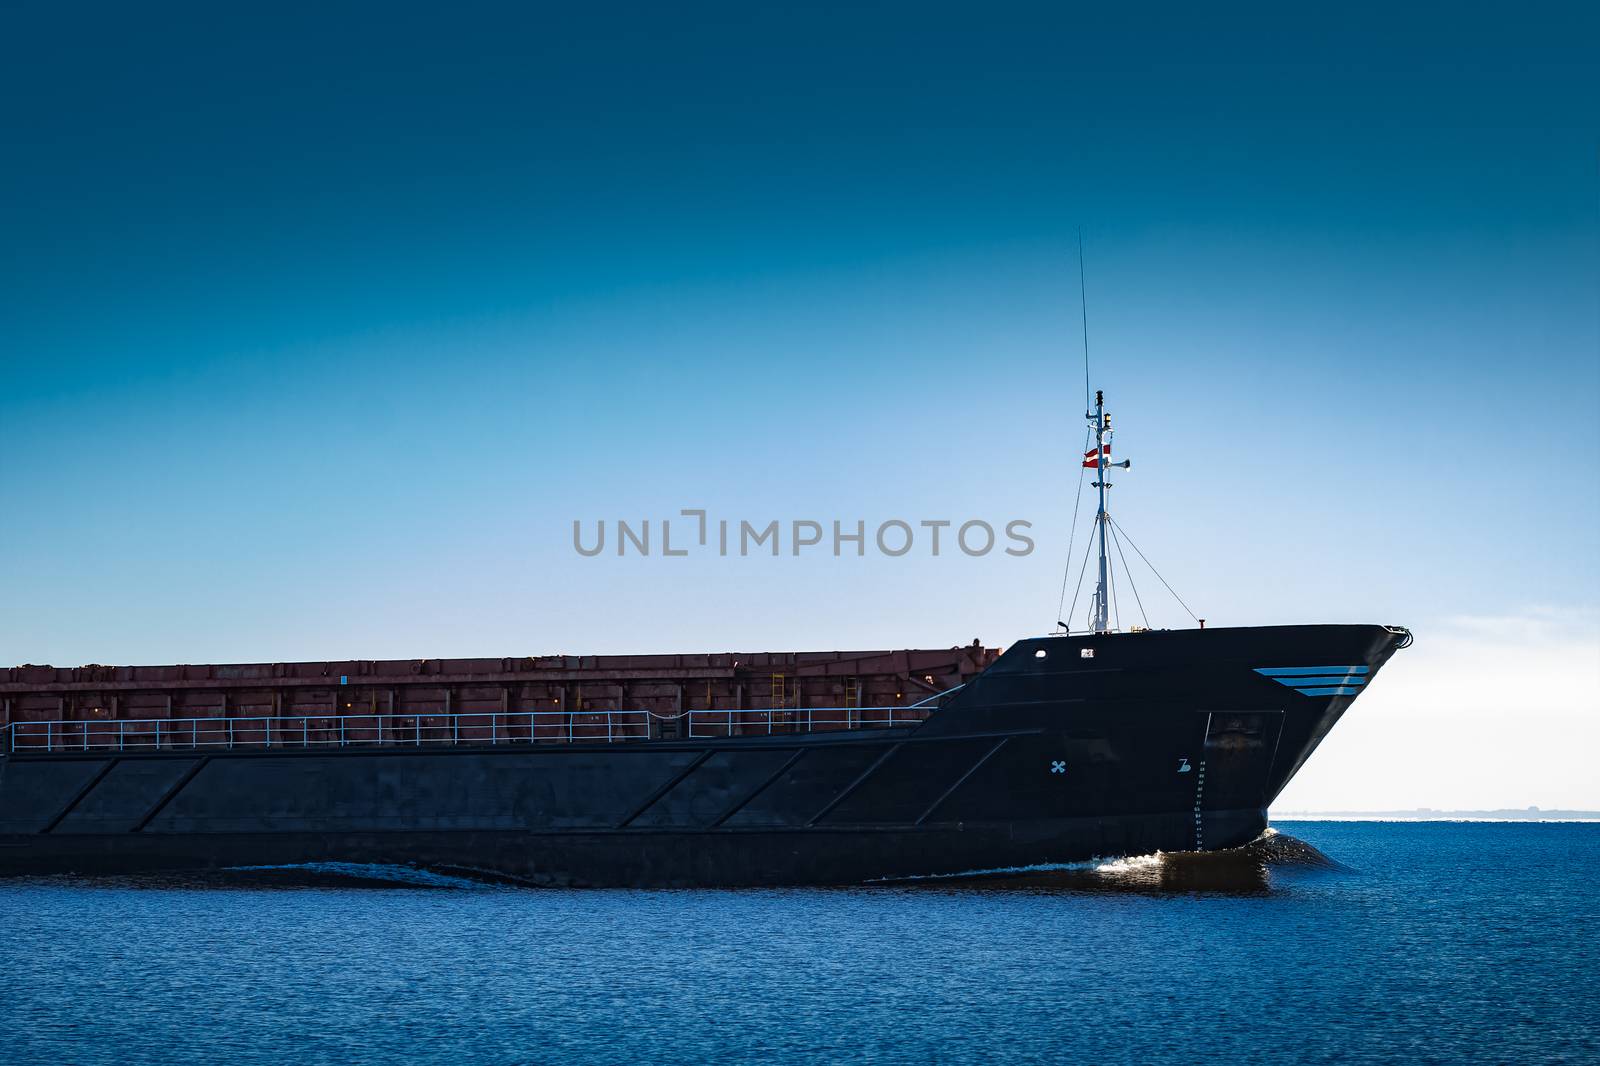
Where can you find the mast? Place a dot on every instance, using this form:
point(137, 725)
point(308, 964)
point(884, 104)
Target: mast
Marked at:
point(1102, 620)
point(1100, 429)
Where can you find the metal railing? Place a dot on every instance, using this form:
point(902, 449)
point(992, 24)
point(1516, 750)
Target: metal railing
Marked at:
point(342, 731)
point(768, 721)
point(421, 729)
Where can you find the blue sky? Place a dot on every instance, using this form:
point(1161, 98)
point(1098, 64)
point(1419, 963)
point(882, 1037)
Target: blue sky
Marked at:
point(320, 327)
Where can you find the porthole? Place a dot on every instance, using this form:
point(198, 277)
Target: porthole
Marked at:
point(1040, 654)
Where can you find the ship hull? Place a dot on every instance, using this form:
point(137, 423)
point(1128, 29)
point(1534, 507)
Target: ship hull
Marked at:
point(667, 859)
point(1101, 746)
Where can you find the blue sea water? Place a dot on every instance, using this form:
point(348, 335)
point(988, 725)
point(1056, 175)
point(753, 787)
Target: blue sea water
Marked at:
point(1330, 942)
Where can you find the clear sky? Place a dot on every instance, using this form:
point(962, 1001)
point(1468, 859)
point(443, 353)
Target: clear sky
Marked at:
point(319, 328)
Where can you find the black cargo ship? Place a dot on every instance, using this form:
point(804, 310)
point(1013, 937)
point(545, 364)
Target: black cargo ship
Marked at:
point(824, 768)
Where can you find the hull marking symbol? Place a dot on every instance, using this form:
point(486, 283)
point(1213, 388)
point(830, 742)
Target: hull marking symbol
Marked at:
point(1058, 766)
point(1183, 764)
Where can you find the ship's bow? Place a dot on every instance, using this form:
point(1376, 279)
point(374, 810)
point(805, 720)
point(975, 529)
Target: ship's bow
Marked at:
point(1189, 733)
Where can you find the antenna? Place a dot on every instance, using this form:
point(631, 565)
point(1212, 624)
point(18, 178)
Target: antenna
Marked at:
point(1077, 500)
point(1106, 530)
point(1107, 533)
point(1098, 461)
point(1083, 303)
point(1101, 431)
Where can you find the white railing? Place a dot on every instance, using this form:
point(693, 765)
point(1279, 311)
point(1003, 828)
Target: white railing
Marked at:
point(310, 731)
point(421, 728)
point(767, 721)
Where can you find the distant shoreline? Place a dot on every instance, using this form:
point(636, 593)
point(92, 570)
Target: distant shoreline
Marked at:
point(1427, 814)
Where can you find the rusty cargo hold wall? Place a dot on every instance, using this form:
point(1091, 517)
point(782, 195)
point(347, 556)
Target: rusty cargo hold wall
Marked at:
point(664, 685)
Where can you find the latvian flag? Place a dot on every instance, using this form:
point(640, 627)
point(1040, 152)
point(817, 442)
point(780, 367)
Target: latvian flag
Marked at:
point(1091, 460)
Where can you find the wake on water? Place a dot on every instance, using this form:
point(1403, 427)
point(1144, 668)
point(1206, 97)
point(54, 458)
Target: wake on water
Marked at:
point(1243, 870)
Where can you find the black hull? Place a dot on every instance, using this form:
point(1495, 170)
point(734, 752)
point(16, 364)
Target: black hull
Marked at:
point(814, 856)
point(1164, 741)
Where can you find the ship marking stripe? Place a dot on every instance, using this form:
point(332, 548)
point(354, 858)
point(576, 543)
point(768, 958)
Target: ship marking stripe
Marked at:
point(857, 783)
point(1292, 671)
point(1313, 682)
point(779, 772)
point(171, 793)
point(78, 797)
point(677, 779)
point(947, 793)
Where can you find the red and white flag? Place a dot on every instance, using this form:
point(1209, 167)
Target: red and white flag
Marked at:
point(1091, 460)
